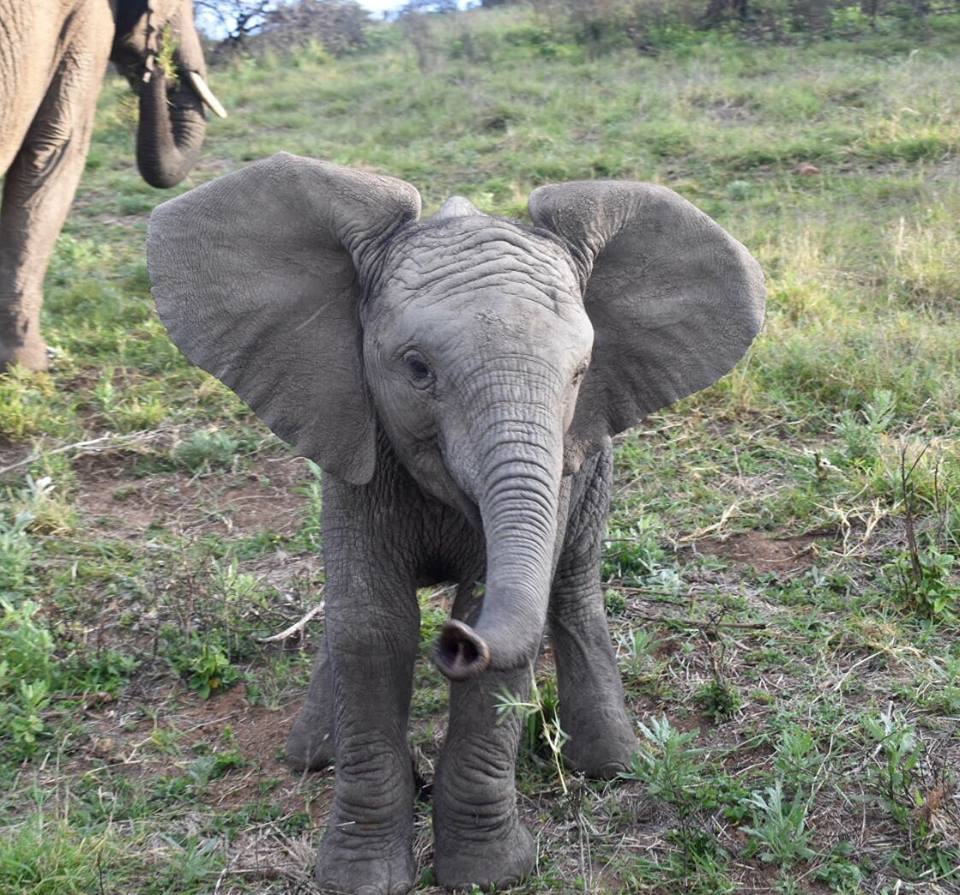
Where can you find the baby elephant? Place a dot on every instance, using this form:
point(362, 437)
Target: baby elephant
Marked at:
point(459, 380)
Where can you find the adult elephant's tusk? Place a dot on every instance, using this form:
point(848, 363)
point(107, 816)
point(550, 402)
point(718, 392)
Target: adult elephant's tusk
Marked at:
point(207, 95)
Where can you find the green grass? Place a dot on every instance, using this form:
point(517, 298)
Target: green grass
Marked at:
point(782, 569)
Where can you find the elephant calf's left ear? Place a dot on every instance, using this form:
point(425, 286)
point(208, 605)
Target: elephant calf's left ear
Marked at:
point(674, 300)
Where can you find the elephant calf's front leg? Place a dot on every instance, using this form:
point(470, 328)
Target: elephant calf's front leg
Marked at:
point(368, 847)
point(478, 836)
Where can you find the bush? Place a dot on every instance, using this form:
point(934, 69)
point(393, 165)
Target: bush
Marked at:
point(339, 25)
point(653, 25)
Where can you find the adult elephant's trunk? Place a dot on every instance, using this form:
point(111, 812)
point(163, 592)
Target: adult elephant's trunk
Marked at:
point(519, 482)
point(172, 121)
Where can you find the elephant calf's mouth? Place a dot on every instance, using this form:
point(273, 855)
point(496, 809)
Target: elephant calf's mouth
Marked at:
point(461, 653)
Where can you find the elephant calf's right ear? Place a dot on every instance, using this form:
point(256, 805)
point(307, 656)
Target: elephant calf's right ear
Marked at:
point(255, 276)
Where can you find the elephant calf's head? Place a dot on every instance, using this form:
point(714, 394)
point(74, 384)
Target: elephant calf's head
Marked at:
point(495, 357)
point(474, 348)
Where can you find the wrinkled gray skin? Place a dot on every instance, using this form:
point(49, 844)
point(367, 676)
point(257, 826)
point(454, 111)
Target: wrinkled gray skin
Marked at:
point(459, 379)
point(53, 58)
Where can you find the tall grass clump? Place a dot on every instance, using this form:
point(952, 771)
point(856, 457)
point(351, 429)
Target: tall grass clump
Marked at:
point(27, 675)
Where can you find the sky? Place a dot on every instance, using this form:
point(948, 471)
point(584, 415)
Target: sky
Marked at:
point(379, 6)
point(211, 26)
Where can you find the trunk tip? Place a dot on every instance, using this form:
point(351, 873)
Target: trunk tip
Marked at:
point(461, 653)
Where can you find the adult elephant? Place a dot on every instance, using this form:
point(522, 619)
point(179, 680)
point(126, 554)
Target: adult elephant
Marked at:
point(53, 57)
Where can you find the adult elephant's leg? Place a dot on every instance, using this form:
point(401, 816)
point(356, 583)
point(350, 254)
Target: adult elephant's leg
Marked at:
point(478, 838)
point(372, 636)
point(38, 191)
point(310, 745)
point(592, 711)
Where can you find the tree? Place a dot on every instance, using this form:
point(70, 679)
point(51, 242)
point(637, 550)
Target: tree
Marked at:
point(232, 21)
point(248, 25)
point(340, 25)
point(718, 10)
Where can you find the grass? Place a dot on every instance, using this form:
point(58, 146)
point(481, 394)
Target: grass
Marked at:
point(781, 574)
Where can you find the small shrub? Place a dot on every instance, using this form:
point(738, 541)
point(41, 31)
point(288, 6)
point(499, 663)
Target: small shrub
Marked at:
point(542, 735)
point(923, 581)
point(204, 451)
point(211, 767)
point(796, 756)
point(898, 753)
point(861, 431)
point(718, 700)
point(839, 872)
point(230, 585)
point(102, 672)
point(668, 764)
point(25, 404)
point(16, 551)
point(45, 508)
point(635, 650)
point(740, 190)
point(633, 554)
point(203, 664)
point(27, 671)
point(26, 646)
point(137, 414)
point(24, 723)
point(780, 828)
point(614, 602)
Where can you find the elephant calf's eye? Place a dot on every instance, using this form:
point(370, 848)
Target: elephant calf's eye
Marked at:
point(419, 369)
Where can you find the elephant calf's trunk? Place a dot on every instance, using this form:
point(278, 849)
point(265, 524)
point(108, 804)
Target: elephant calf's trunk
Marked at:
point(519, 512)
point(461, 652)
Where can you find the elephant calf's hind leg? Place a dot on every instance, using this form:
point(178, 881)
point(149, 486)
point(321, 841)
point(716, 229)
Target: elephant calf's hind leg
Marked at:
point(592, 712)
point(310, 745)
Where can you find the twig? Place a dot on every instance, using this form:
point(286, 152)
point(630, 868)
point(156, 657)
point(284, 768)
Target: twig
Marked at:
point(711, 529)
point(703, 626)
point(80, 446)
point(907, 487)
point(846, 675)
point(294, 628)
point(649, 591)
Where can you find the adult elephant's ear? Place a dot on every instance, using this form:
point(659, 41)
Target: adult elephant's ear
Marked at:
point(258, 278)
point(673, 298)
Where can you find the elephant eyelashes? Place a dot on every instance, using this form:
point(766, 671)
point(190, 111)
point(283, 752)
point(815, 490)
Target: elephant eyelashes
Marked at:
point(420, 372)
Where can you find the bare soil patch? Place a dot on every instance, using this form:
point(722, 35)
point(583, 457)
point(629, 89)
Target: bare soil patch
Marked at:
point(11, 452)
point(264, 497)
point(765, 554)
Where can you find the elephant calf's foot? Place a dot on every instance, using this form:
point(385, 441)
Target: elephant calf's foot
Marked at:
point(364, 868)
point(310, 744)
point(602, 749)
point(499, 862)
